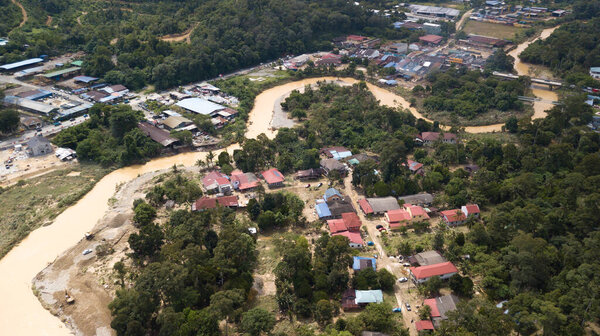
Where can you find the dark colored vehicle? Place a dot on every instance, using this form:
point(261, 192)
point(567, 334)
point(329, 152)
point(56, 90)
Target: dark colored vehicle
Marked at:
point(379, 226)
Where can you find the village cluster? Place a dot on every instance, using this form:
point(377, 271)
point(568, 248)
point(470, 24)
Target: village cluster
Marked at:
point(360, 220)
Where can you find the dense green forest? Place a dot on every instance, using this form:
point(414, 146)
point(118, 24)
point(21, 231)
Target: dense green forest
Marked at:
point(570, 51)
point(10, 17)
point(469, 93)
point(226, 35)
point(110, 137)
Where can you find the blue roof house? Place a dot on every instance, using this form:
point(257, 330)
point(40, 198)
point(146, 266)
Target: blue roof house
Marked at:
point(323, 211)
point(360, 263)
point(332, 193)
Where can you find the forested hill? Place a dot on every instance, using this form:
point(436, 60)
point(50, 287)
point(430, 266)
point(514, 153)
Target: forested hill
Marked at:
point(227, 35)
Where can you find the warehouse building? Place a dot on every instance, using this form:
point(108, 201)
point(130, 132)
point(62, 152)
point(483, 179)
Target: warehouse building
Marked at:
point(21, 65)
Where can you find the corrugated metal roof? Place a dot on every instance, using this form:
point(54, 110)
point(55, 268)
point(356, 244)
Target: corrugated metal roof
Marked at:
point(61, 72)
point(26, 62)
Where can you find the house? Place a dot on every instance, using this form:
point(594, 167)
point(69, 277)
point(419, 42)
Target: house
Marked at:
point(338, 207)
point(415, 167)
point(432, 28)
point(423, 325)
point(365, 206)
point(328, 62)
point(354, 238)
point(330, 165)
point(176, 122)
point(485, 41)
point(426, 258)
point(422, 199)
point(351, 221)
point(381, 205)
point(336, 152)
point(356, 38)
point(331, 194)
point(323, 211)
point(309, 174)
point(244, 181)
point(595, 72)
point(349, 300)
point(336, 226)
point(470, 210)
point(416, 212)
point(428, 138)
point(454, 217)
point(431, 39)
point(200, 106)
point(215, 181)
point(273, 177)
point(364, 297)
point(397, 218)
point(440, 306)
point(559, 12)
point(205, 203)
point(38, 146)
point(31, 122)
point(361, 263)
point(158, 135)
point(422, 273)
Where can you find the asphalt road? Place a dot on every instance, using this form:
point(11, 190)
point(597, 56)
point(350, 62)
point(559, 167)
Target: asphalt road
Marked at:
point(47, 130)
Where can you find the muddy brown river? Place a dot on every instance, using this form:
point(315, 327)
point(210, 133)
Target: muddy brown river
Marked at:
point(21, 312)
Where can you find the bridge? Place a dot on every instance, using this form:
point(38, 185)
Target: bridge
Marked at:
point(535, 99)
point(510, 76)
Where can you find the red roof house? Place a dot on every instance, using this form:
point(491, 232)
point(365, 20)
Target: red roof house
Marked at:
point(397, 218)
point(216, 181)
point(205, 202)
point(351, 221)
point(365, 206)
point(356, 38)
point(273, 177)
point(431, 39)
point(470, 210)
point(414, 167)
point(355, 239)
point(416, 212)
point(336, 225)
point(244, 181)
point(431, 137)
point(434, 308)
point(424, 325)
point(453, 217)
point(423, 273)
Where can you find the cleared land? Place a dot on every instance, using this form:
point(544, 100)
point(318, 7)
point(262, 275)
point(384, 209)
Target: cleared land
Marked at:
point(36, 202)
point(491, 29)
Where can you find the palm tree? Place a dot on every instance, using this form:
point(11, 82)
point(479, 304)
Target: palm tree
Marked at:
point(201, 164)
point(209, 158)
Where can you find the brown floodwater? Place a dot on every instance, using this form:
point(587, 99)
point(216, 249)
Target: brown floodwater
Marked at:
point(21, 312)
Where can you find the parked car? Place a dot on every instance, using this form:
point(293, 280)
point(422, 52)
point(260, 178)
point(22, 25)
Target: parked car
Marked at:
point(403, 279)
point(87, 251)
point(406, 265)
point(379, 226)
point(370, 243)
point(397, 310)
point(320, 185)
point(375, 256)
point(407, 306)
point(307, 186)
point(57, 123)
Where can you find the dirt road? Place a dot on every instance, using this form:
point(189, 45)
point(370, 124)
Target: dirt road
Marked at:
point(185, 36)
point(23, 13)
point(384, 261)
point(463, 19)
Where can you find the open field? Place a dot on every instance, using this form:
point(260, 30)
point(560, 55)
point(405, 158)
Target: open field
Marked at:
point(36, 202)
point(491, 29)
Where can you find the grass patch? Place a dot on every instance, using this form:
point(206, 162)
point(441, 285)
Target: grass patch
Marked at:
point(502, 137)
point(392, 241)
point(496, 30)
point(35, 202)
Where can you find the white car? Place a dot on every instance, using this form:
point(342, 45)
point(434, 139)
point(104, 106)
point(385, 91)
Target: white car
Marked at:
point(87, 251)
point(403, 280)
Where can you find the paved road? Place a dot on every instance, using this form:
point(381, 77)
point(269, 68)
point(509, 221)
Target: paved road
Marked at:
point(47, 130)
point(384, 261)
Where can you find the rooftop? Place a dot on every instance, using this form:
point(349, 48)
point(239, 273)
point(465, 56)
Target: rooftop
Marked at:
point(159, 135)
point(383, 204)
point(61, 72)
point(200, 106)
point(19, 64)
point(273, 176)
point(369, 296)
point(423, 272)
